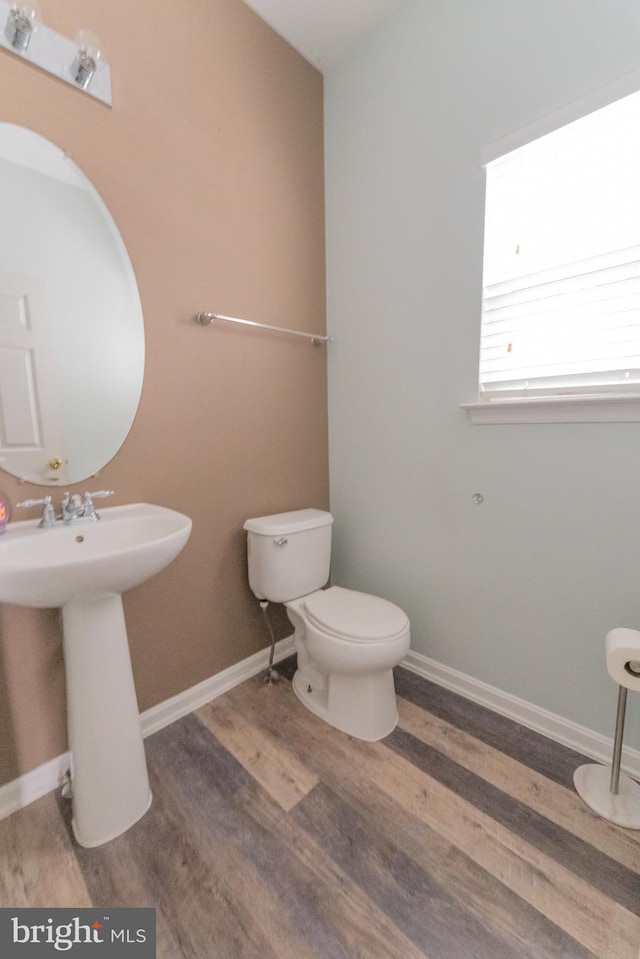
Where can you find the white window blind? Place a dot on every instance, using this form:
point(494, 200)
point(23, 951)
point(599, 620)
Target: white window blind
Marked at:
point(561, 303)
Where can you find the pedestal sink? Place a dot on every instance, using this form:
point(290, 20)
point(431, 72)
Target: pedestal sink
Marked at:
point(84, 567)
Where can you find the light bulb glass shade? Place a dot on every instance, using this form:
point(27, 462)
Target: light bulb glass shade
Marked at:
point(87, 58)
point(90, 46)
point(22, 22)
point(27, 10)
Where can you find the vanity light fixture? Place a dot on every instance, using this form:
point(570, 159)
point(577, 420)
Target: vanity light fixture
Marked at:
point(79, 62)
point(87, 58)
point(22, 22)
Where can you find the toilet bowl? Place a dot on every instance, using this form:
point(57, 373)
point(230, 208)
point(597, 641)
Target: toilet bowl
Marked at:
point(347, 642)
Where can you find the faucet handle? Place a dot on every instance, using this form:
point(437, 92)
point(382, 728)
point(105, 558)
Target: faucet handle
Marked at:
point(87, 502)
point(45, 501)
point(99, 494)
point(48, 513)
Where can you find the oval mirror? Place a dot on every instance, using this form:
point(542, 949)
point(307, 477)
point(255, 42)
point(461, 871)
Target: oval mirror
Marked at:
point(71, 329)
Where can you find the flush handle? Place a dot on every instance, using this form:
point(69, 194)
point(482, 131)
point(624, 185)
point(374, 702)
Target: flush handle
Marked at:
point(281, 542)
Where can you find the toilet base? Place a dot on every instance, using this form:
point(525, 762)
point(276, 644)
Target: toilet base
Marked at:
point(363, 706)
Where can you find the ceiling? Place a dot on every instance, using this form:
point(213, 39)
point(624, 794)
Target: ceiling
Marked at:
point(323, 30)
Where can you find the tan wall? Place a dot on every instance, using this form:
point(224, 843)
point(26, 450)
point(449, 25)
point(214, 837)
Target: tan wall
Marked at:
point(210, 161)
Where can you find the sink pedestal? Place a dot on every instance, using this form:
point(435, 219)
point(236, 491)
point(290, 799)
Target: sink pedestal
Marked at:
point(82, 568)
point(110, 785)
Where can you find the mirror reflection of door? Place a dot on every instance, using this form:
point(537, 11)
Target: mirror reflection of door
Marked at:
point(58, 238)
point(30, 421)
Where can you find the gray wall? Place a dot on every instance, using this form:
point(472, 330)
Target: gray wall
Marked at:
point(518, 592)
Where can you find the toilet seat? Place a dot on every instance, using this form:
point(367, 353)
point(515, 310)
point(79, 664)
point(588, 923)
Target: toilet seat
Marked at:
point(354, 616)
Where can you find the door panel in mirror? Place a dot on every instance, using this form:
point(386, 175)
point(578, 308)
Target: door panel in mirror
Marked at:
point(30, 416)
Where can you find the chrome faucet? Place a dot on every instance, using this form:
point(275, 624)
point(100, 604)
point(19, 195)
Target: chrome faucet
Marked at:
point(72, 509)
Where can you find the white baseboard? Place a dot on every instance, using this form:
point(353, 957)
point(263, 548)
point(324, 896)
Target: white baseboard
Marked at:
point(44, 779)
point(33, 785)
point(47, 777)
point(178, 706)
point(561, 730)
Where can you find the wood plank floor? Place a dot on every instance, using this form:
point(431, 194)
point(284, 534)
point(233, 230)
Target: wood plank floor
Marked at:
point(273, 836)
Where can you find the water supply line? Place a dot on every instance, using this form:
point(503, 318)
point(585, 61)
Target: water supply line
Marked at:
point(272, 675)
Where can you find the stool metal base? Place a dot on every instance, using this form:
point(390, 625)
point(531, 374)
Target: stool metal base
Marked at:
point(593, 785)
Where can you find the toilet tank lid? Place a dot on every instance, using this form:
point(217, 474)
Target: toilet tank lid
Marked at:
point(281, 524)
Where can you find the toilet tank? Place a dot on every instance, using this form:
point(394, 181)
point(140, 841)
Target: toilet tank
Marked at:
point(289, 554)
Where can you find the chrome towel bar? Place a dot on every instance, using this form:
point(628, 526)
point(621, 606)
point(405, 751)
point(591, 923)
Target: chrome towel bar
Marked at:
point(207, 318)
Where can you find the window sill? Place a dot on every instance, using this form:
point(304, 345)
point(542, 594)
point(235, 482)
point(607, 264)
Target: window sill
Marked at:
point(605, 408)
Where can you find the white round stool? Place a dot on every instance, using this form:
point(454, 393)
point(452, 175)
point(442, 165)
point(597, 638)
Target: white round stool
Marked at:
point(608, 792)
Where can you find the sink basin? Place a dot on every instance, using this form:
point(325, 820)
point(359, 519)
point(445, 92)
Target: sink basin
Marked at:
point(84, 568)
point(125, 547)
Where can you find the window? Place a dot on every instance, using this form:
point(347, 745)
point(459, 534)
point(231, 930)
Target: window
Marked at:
point(561, 278)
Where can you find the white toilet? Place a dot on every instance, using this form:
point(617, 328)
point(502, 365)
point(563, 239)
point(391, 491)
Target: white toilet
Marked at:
point(347, 642)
